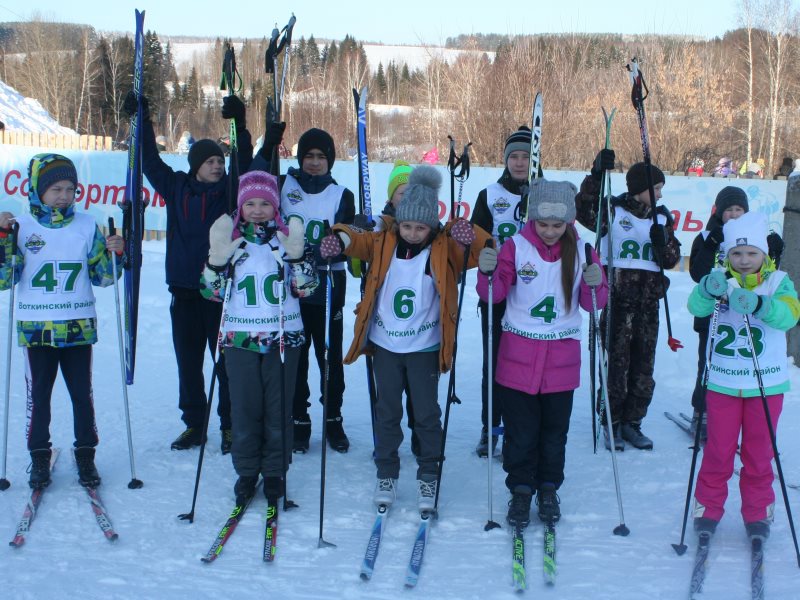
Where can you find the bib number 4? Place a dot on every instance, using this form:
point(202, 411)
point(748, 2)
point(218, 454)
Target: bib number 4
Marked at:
point(545, 309)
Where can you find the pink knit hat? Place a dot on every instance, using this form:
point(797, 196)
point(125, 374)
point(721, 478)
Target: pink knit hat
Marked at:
point(259, 184)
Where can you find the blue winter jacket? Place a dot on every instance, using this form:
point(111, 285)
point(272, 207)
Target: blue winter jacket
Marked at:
point(192, 207)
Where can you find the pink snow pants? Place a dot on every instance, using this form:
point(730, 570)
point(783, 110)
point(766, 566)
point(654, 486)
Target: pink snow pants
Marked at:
point(727, 415)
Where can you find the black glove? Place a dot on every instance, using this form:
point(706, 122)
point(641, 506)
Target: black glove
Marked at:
point(658, 236)
point(604, 161)
point(775, 245)
point(363, 222)
point(714, 238)
point(233, 108)
point(130, 106)
point(273, 137)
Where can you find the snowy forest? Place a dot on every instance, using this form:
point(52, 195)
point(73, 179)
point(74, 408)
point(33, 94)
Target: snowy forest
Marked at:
point(737, 96)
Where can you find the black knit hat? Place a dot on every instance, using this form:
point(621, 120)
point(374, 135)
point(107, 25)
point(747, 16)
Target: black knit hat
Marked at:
point(60, 169)
point(731, 196)
point(200, 152)
point(316, 139)
point(519, 140)
point(636, 178)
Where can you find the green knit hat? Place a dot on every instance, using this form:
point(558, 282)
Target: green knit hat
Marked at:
point(398, 177)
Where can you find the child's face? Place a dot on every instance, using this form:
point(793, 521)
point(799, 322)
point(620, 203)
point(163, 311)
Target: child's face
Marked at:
point(398, 194)
point(644, 197)
point(257, 210)
point(414, 232)
point(518, 164)
point(59, 195)
point(315, 163)
point(550, 230)
point(732, 212)
point(212, 170)
point(746, 259)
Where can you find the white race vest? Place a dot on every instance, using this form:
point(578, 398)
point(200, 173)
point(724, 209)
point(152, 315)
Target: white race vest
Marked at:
point(502, 204)
point(55, 284)
point(313, 209)
point(535, 306)
point(732, 363)
point(254, 301)
point(631, 241)
point(407, 314)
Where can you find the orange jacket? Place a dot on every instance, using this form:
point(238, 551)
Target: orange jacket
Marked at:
point(447, 261)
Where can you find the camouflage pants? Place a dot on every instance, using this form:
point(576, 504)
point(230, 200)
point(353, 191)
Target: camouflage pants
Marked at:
point(634, 333)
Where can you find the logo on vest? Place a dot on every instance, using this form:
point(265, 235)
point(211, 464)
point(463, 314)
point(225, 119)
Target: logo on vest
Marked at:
point(295, 196)
point(501, 205)
point(527, 272)
point(34, 243)
point(626, 224)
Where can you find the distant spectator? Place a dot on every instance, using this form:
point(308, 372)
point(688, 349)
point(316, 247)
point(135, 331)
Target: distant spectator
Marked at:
point(724, 167)
point(752, 170)
point(796, 166)
point(697, 165)
point(786, 167)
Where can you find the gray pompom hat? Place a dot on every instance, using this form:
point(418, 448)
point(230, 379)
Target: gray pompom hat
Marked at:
point(420, 201)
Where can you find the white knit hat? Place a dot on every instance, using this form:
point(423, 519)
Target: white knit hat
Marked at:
point(750, 229)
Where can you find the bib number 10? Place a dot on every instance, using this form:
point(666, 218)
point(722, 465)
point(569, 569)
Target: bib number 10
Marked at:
point(55, 276)
point(545, 309)
point(271, 287)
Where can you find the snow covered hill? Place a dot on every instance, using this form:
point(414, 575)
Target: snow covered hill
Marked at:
point(26, 114)
point(157, 556)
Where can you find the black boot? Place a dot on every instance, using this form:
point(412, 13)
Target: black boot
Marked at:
point(227, 441)
point(87, 472)
point(189, 438)
point(482, 449)
point(548, 503)
point(337, 439)
point(273, 488)
point(40, 468)
point(301, 434)
point(244, 488)
point(519, 507)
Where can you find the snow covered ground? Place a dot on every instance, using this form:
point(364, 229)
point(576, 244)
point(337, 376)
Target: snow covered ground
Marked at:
point(157, 556)
point(26, 114)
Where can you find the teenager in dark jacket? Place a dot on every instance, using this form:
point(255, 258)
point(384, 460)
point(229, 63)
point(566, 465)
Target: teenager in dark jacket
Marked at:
point(312, 194)
point(638, 245)
point(194, 200)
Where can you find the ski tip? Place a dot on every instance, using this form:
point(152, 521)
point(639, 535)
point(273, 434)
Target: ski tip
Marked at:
point(622, 530)
point(364, 576)
point(680, 549)
point(113, 537)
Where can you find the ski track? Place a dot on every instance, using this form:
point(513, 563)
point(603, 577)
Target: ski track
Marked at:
point(157, 555)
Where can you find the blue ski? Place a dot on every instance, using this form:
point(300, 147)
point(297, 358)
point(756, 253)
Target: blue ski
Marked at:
point(133, 211)
point(374, 543)
point(418, 550)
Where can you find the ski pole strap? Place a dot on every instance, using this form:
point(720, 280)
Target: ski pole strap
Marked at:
point(286, 40)
point(271, 54)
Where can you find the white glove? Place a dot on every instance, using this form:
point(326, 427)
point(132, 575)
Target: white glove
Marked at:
point(294, 244)
point(487, 261)
point(221, 246)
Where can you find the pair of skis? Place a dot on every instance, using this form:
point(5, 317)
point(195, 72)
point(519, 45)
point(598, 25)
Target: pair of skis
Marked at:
point(549, 565)
point(270, 530)
point(32, 509)
point(701, 565)
point(417, 550)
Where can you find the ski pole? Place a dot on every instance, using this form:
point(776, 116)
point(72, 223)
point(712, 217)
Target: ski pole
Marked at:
point(452, 398)
point(620, 529)
point(490, 523)
point(229, 77)
point(5, 483)
point(772, 438)
point(323, 462)
point(134, 483)
point(680, 548)
point(214, 375)
point(451, 166)
point(637, 97)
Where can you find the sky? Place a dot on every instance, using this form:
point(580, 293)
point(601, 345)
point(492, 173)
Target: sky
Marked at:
point(407, 22)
